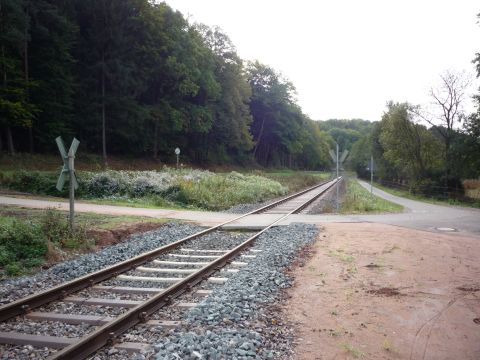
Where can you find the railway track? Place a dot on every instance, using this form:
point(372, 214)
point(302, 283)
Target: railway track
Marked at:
point(136, 290)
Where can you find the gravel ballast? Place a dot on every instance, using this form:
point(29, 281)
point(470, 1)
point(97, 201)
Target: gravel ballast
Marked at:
point(13, 289)
point(234, 321)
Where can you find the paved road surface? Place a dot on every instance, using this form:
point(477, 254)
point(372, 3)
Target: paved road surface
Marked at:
point(417, 215)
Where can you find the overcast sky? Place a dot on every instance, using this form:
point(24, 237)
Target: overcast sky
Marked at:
point(347, 58)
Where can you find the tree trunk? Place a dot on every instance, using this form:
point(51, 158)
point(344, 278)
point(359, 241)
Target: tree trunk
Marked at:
point(10, 147)
point(447, 160)
point(1, 140)
point(27, 80)
point(104, 137)
point(257, 143)
point(155, 140)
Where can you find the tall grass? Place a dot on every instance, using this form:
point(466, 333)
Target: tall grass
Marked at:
point(167, 188)
point(224, 191)
point(295, 181)
point(359, 200)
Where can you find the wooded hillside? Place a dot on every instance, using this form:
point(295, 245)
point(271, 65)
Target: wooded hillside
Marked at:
point(131, 77)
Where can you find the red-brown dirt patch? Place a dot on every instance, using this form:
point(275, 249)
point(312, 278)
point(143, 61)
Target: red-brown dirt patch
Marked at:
point(108, 237)
point(376, 291)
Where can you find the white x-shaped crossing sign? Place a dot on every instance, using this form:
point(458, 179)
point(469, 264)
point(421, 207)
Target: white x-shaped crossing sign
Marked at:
point(66, 163)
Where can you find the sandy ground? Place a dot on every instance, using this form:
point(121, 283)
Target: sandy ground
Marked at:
point(377, 291)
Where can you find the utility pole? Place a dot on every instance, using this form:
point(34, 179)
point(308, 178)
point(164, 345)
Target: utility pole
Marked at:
point(337, 159)
point(337, 176)
point(371, 175)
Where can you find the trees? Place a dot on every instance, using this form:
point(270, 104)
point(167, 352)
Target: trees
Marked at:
point(50, 65)
point(15, 109)
point(448, 100)
point(109, 72)
point(134, 77)
point(276, 118)
point(410, 147)
point(403, 149)
point(229, 137)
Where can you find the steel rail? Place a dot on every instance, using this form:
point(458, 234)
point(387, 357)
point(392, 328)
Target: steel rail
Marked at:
point(33, 301)
point(108, 332)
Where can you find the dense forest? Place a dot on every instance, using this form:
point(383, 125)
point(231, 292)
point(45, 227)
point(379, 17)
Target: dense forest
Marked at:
point(133, 77)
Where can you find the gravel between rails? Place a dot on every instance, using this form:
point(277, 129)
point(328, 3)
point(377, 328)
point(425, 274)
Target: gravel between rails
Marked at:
point(234, 322)
point(245, 208)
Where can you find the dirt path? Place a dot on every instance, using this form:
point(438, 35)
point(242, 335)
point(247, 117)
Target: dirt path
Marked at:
point(378, 291)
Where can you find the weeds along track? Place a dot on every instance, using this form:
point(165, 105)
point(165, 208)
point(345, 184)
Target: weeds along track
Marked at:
point(97, 310)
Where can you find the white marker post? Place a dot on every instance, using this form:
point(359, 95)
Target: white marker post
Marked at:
point(177, 152)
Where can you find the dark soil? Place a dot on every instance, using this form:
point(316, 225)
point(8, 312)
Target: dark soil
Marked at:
point(385, 291)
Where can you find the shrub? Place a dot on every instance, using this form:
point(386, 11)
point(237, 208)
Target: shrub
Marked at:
point(22, 245)
point(197, 188)
point(223, 191)
point(103, 185)
point(25, 245)
point(56, 228)
point(137, 184)
point(37, 182)
point(41, 182)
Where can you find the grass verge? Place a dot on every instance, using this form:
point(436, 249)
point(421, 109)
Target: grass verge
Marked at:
point(408, 195)
point(358, 200)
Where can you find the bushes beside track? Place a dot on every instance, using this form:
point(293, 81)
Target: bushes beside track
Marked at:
point(26, 244)
point(185, 188)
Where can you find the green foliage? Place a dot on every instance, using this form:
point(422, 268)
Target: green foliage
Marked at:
point(413, 151)
point(25, 245)
point(15, 108)
point(223, 191)
point(186, 187)
point(363, 127)
point(55, 227)
point(295, 181)
point(283, 135)
point(22, 245)
point(359, 200)
point(134, 77)
point(36, 182)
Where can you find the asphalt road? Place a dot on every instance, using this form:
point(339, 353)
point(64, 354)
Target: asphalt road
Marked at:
point(417, 214)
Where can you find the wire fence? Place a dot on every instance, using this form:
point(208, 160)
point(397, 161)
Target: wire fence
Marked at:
point(427, 189)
